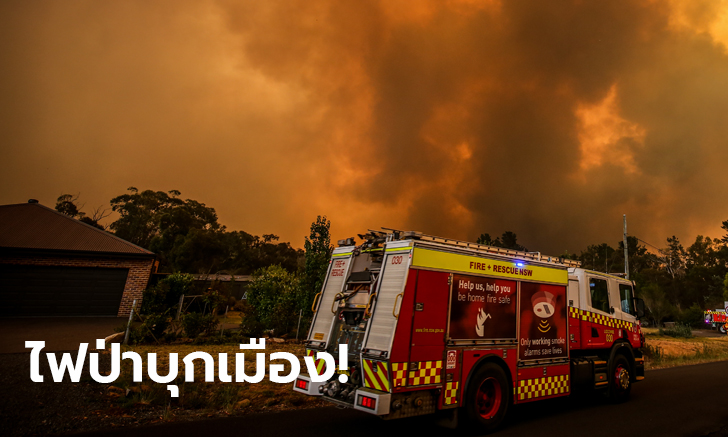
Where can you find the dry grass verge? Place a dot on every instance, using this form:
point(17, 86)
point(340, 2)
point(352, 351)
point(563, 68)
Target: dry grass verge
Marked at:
point(664, 351)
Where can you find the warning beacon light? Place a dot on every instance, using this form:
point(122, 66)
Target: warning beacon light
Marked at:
point(520, 264)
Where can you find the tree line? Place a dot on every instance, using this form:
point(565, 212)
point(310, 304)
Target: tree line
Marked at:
point(676, 282)
point(187, 238)
point(185, 234)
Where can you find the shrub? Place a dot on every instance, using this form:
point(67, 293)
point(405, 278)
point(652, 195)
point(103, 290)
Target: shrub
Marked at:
point(692, 316)
point(166, 293)
point(679, 330)
point(250, 322)
point(275, 298)
point(156, 324)
point(195, 324)
point(654, 353)
point(239, 305)
point(152, 329)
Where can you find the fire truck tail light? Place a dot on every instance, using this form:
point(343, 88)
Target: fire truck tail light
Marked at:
point(367, 402)
point(302, 384)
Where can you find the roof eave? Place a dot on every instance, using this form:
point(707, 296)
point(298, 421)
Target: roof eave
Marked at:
point(6, 251)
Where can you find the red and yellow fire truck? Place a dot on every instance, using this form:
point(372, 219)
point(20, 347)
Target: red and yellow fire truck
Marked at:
point(717, 319)
point(434, 324)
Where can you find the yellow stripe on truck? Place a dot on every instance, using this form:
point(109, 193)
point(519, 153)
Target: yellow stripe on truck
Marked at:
point(434, 259)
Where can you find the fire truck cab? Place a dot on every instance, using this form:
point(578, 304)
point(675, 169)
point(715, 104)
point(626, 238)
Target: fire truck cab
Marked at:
point(435, 324)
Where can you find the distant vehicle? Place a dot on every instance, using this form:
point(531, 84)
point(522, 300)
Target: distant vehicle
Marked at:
point(434, 324)
point(717, 319)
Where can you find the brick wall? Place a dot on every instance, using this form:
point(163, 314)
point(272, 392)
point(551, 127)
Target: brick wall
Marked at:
point(136, 281)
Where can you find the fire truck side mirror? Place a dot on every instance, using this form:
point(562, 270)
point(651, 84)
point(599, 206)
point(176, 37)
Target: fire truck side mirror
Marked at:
point(611, 310)
point(639, 306)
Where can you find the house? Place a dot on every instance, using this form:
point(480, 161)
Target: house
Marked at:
point(237, 284)
point(54, 265)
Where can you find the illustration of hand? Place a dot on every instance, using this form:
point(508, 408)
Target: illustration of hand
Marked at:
point(482, 317)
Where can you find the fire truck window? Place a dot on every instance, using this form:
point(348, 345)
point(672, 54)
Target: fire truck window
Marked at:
point(625, 294)
point(599, 294)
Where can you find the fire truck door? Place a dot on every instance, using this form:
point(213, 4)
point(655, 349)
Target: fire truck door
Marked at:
point(592, 330)
point(430, 316)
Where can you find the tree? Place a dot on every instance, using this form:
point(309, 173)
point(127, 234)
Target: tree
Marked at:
point(508, 240)
point(674, 257)
point(317, 252)
point(485, 239)
point(187, 237)
point(601, 257)
point(68, 204)
point(656, 303)
point(703, 281)
point(141, 213)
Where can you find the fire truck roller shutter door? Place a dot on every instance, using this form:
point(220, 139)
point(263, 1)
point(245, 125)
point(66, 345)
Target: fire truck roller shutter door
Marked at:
point(337, 274)
point(391, 283)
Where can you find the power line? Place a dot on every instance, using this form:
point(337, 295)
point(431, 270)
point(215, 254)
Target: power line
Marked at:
point(639, 239)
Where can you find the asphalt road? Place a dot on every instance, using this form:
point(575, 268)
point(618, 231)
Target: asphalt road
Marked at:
point(681, 401)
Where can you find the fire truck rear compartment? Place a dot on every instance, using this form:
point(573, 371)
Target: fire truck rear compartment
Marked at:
point(350, 324)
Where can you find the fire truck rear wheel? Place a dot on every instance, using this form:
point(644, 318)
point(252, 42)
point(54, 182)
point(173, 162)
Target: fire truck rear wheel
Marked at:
point(620, 381)
point(721, 328)
point(488, 397)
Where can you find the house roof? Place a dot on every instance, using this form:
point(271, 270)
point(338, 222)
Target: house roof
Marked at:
point(32, 226)
point(223, 277)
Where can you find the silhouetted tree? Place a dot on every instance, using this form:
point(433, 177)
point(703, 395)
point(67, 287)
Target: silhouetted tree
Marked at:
point(68, 204)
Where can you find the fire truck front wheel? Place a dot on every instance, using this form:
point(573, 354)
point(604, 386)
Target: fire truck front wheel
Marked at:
point(488, 397)
point(721, 329)
point(620, 383)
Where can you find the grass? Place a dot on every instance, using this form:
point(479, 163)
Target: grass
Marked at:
point(201, 398)
point(665, 349)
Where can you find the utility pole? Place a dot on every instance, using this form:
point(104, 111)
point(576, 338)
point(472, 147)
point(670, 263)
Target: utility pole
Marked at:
point(624, 240)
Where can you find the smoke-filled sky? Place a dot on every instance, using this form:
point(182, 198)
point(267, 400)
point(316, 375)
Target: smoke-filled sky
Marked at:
point(549, 119)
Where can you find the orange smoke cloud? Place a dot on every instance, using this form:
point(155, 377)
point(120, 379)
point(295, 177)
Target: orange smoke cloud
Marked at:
point(550, 119)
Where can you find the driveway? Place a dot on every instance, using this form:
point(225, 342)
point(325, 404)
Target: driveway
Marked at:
point(59, 333)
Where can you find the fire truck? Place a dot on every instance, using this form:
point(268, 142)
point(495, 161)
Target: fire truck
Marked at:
point(434, 324)
point(717, 319)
